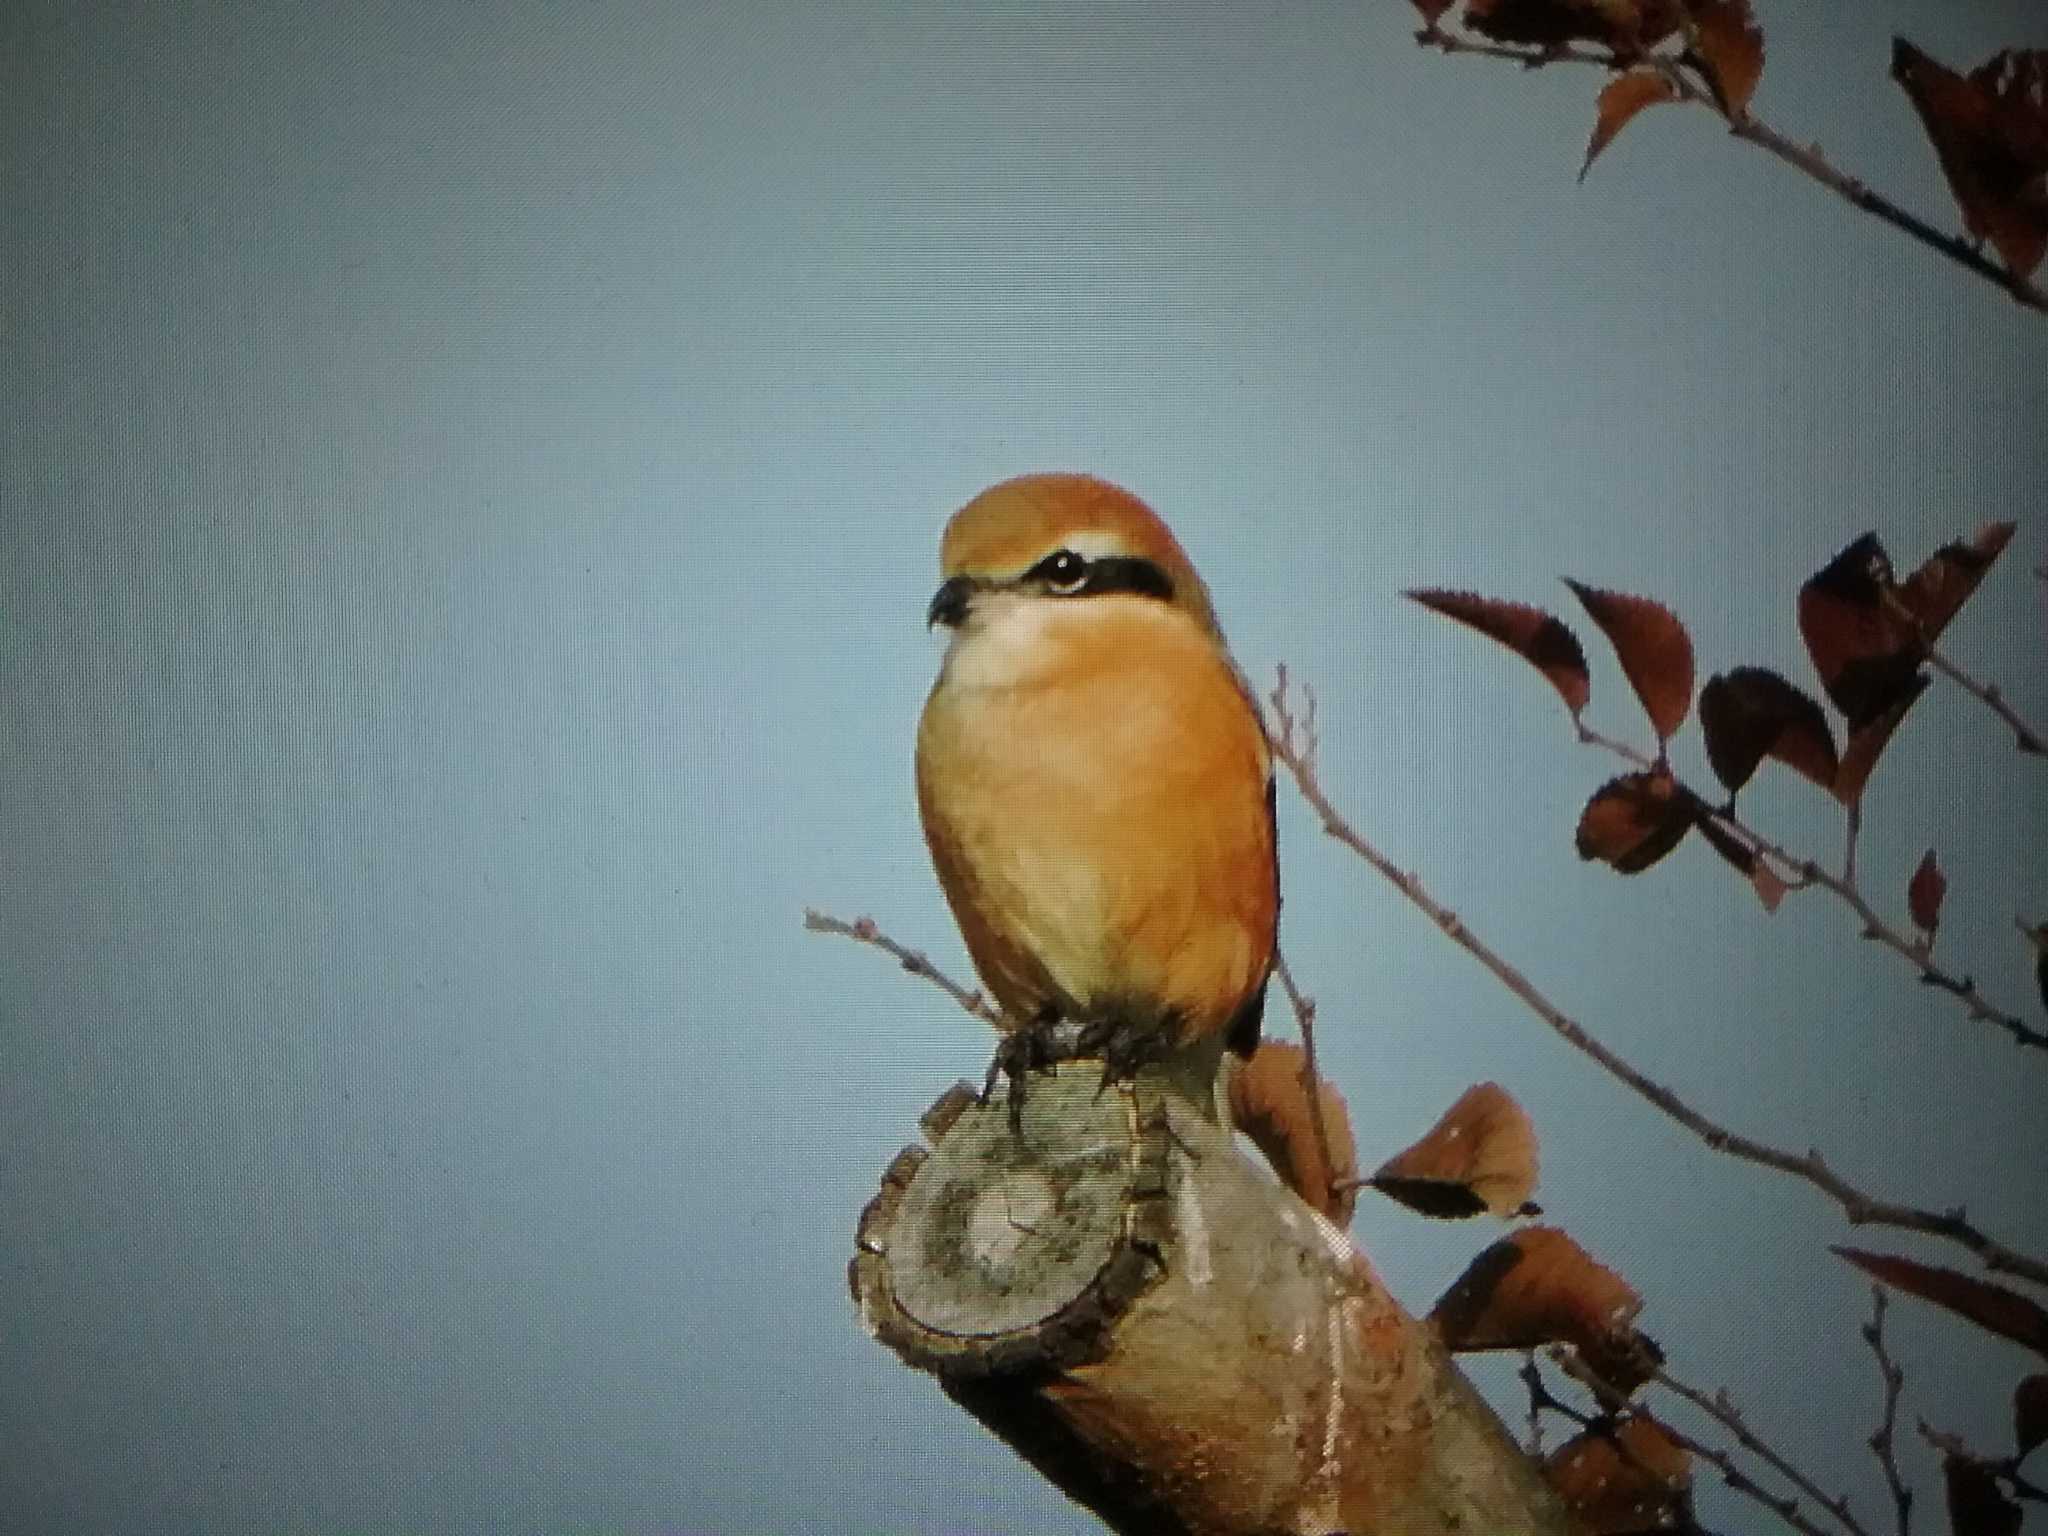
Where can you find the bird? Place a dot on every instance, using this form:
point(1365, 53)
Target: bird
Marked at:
point(1095, 785)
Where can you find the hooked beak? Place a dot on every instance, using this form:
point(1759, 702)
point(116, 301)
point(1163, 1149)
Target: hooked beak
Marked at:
point(949, 603)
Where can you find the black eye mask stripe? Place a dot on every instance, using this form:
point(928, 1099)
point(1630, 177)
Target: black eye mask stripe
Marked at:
point(1125, 573)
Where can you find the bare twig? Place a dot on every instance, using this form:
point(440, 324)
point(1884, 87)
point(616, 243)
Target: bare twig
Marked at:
point(1312, 1075)
point(862, 930)
point(1881, 1438)
point(1804, 872)
point(2028, 740)
point(1918, 950)
point(1745, 125)
point(1295, 750)
point(1783, 1506)
point(1723, 1411)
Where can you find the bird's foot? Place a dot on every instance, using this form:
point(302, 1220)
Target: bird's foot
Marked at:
point(1033, 1047)
point(1126, 1045)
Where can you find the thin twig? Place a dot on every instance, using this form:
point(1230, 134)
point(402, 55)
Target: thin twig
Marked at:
point(1296, 752)
point(862, 930)
point(2029, 740)
point(1785, 1507)
point(1723, 1411)
point(1915, 950)
point(1881, 1438)
point(1312, 1075)
point(1744, 124)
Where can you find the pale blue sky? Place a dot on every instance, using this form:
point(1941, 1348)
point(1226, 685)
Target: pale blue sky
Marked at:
point(470, 479)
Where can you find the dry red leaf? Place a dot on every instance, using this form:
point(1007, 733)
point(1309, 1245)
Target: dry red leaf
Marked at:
point(1269, 1103)
point(1729, 46)
point(1620, 100)
point(2029, 1414)
point(1990, 133)
point(1751, 713)
point(1654, 650)
point(1867, 742)
point(1768, 884)
point(1634, 820)
point(1991, 1307)
point(1944, 582)
point(1480, 1156)
point(1535, 1287)
point(1976, 1507)
point(1539, 638)
point(1865, 648)
point(1924, 892)
point(1621, 1479)
point(1626, 26)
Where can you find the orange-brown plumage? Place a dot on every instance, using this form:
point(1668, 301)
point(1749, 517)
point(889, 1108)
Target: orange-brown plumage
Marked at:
point(1093, 776)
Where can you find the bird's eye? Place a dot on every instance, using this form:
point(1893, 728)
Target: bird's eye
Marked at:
point(1062, 571)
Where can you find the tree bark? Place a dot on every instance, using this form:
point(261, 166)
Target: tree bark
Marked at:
point(1168, 1335)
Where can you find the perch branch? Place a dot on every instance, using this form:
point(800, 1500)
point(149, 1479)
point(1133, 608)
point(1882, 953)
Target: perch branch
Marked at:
point(1295, 751)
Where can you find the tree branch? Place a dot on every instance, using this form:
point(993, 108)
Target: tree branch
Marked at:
point(2029, 740)
point(862, 930)
point(1783, 1506)
point(1722, 1411)
point(1917, 951)
point(1296, 752)
point(1745, 125)
point(1881, 1438)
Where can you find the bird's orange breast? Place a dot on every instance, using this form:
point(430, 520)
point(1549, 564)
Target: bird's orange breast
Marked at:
point(1093, 781)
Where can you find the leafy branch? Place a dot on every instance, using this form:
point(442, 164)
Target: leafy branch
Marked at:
point(1295, 748)
point(1989, 127)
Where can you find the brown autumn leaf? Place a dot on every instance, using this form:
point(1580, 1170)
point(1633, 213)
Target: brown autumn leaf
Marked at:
point(1626, 26)
point(1269, 1103)
point(1867, 741)
point(1990, 1307)
point(1990, 133)
point(2029, 1414)
point(1624, 1478)
point(1766, 882)
point(1539, 638)
point(1654, 650)
point(1770, 888)
point(1976, 1507)
point(1924, 892)
point(1534, 1287)
point(1865, 649)
point(1945, 580)
point(1480, 1156)
point(1633, 820)
point(1769, 885)
point(1729, 46)
point(1750, 713)
point(1620, 100)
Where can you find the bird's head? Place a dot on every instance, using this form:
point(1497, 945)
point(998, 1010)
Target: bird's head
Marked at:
point(1057, 537)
